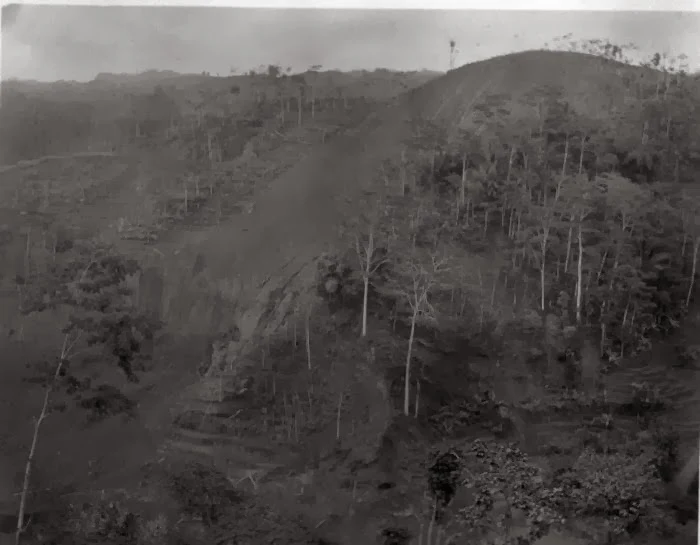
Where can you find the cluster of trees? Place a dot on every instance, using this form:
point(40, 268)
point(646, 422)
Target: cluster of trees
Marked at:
point(211, 118)
point(91, 281)
point(628, 53)
point(590, 219)
point(219, 123)
point(618, 503)
point(544, 210)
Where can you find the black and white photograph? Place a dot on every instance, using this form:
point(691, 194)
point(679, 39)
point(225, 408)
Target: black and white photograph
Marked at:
point(350, 274)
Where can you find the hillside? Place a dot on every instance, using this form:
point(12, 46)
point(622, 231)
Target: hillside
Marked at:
point(590, 83)
point(476, 271)
point(276, 249)
point(505, 86)
point(286, 221)
point(115, 112)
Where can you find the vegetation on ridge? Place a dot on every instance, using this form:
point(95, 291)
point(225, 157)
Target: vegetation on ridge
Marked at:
point(472, 370)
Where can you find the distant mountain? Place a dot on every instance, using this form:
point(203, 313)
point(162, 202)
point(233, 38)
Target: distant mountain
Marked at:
point(150, 76)
point(379, 84)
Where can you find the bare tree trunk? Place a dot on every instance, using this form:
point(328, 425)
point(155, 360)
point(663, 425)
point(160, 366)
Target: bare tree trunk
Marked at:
point(568, 249)
point(693, 271)
point(299, 108)
point(35, 440)
point(462, 188)
point(313, 102)
point(366, 273)
point(417, 403)
point(337, 418)
point(685, 240)
point(365, 296)
point(579, 276)
point(294, 336)
point(308, 339)
point(27, 252)
point(407, 374)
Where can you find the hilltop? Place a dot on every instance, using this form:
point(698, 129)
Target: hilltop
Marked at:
point(590, 83)
point(363, 302)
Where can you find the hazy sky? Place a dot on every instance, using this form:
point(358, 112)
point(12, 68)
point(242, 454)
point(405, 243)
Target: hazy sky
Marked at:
point(77, 42)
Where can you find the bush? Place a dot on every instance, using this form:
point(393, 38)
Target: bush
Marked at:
point(92, 281)
point(105, 521)
point(101, 520)
point(203, 492)
point(105, 401)
point(504, 470)
point(688, 355)
point(625, 491)
point(665, 455)
point(646, 403)
point(620, 493)
point(453, 418)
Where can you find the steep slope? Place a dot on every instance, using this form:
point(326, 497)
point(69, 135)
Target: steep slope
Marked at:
point(293, 221)
point(298, 215)
point(263, 264)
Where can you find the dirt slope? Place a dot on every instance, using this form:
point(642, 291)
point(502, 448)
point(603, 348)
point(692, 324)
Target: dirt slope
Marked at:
point(294, 219)
point(256, 260)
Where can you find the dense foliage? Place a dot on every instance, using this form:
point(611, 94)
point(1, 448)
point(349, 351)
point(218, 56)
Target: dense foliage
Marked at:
point(588, 216)
point(536, 222)
point(622, 490)
point(90, 280)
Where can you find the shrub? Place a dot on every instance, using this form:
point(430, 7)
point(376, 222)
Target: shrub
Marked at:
point(203, 492)
point(621, 493)
point(503, 469)
point(665, 455)
point(688, 355)
point(100, 520)
point(645, 404)
point(91, 280)
point(105, 401)
point(105, 521)
point(625, 491)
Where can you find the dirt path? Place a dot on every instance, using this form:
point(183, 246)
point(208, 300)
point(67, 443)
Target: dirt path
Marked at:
point(295, 218)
